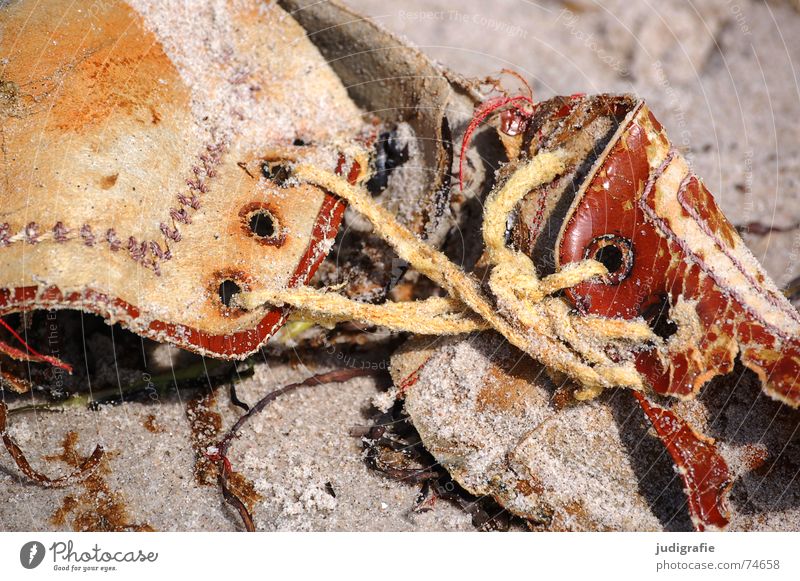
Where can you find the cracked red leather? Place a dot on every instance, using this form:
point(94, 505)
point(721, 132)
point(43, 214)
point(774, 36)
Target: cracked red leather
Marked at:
point(631, 201)
point(705, 474)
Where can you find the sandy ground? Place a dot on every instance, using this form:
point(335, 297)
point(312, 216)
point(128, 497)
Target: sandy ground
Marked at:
point(305, 468)
point(719, 74)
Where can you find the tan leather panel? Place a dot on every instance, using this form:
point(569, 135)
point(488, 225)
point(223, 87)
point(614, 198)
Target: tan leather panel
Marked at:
point(132, 139)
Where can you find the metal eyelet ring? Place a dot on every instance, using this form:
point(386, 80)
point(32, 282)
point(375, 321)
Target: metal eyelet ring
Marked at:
point(615, 253)
point(224, 285)
point(261, 222)
point(226, 291)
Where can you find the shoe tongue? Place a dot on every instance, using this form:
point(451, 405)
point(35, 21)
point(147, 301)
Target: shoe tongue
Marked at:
point(582, 127)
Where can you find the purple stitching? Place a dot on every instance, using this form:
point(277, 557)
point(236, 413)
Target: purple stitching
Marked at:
point(755, 286)
point(138, 251)
point(32, 233)
point(87, 235)
point(180, 215)
point(197, 185)
point(155, 248)
point(114, 243)
point(171, 233)
point(662, 225)
point(60, 232)
point(210, 159)
point(192, 201)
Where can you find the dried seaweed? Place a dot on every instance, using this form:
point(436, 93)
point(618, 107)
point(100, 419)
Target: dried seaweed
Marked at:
point(84, 469)
point(226, 474)
point(394, 449)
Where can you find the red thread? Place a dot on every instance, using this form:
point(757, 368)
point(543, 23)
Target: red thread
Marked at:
point(217, 457)
point(35, 354)
point(482, 111)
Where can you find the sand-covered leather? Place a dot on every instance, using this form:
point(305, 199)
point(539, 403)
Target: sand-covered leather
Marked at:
point(132, 137)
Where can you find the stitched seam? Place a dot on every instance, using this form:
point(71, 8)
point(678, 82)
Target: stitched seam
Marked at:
point(148, 253)
point(703, 225)
point(650, 213)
